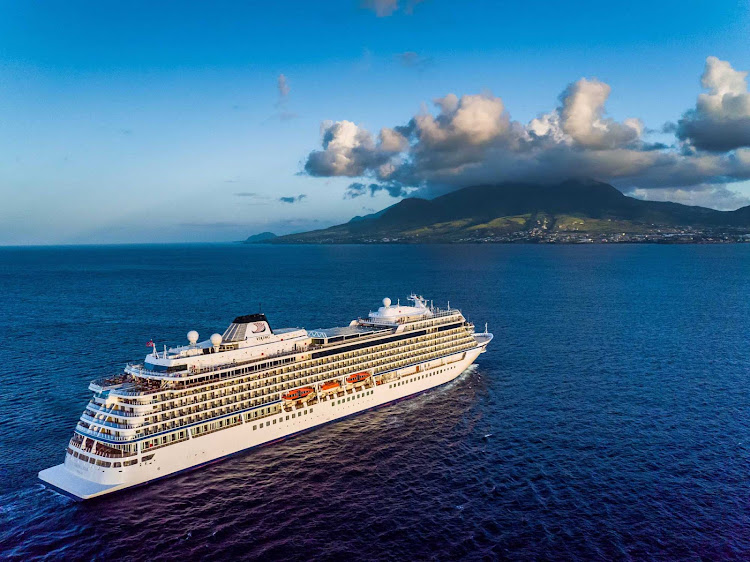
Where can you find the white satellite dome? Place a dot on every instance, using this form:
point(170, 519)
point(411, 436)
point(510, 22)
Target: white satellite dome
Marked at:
point(386, 302)
point(192, 337)
point(216, 341)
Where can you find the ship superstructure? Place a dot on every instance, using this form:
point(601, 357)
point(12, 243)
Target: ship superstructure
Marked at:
point(186, 406)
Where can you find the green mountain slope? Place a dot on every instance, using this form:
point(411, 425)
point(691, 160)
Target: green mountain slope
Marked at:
point(488, 211)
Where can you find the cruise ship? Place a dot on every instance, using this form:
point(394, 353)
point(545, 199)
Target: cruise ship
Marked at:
point(252, 385)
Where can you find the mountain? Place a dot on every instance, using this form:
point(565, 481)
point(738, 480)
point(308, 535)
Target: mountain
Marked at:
point(260, 237)
point(518, 212)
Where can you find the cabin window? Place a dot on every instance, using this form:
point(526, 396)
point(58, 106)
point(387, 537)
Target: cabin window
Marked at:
point(255, 427)
point(274, 421)
point(287, 418)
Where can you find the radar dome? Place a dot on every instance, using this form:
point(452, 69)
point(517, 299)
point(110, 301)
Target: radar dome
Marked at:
point(216, 340)
point(192, 337)
point(386, 302)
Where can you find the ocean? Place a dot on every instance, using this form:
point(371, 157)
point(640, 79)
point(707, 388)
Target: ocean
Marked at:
point(609, 419)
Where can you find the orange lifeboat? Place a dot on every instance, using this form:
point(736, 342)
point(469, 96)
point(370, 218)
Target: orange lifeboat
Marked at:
point(357, 377)
point(330, 385)
point(297, 394)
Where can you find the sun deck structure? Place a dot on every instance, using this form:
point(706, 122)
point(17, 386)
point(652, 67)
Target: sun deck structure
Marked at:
point(193, 404)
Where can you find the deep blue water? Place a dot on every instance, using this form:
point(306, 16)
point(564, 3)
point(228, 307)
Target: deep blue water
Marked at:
point(610, 418)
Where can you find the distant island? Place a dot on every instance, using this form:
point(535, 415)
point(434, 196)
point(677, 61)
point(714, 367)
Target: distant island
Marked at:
point(260, 237)
point(573, 211)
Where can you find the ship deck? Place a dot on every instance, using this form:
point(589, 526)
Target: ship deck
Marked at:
point(74, 486)
point(326, 336)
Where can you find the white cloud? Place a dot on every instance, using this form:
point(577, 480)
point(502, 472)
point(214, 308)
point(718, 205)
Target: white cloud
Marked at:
point(473, 120)
point(471, 139)
point(392, 141)
point(346, 150)
point(582, 117)
point(720, 120)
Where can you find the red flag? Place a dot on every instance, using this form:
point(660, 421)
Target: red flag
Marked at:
point(150, 343)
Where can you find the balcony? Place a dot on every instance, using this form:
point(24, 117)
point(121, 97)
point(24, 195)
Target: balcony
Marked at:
point(112, 411)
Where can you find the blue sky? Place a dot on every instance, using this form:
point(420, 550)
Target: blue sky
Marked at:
point(141, 122)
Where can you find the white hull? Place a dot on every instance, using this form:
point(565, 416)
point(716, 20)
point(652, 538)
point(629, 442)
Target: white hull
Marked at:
point(82, 480)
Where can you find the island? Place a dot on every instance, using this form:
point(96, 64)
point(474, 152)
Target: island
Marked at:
point(569, 212)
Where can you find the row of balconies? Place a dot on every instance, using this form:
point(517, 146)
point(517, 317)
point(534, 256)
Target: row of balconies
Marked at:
point(297, 382)
point(327, 367)
point(315, 371)
point(179, 411)
point(237, 405)
point(242, 401)
point(445, 341)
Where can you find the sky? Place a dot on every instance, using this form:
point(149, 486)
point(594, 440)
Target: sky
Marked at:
point(198, 122)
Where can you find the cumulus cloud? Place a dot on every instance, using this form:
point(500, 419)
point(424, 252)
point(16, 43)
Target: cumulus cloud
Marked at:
point(292, 199)
point(582, 117)
point(349, 150)
point(472, 139)
point(720, 120)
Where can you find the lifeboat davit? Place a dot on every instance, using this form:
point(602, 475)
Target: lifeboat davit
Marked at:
point(357, 377)
point(330, 385)
point(297, 394)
